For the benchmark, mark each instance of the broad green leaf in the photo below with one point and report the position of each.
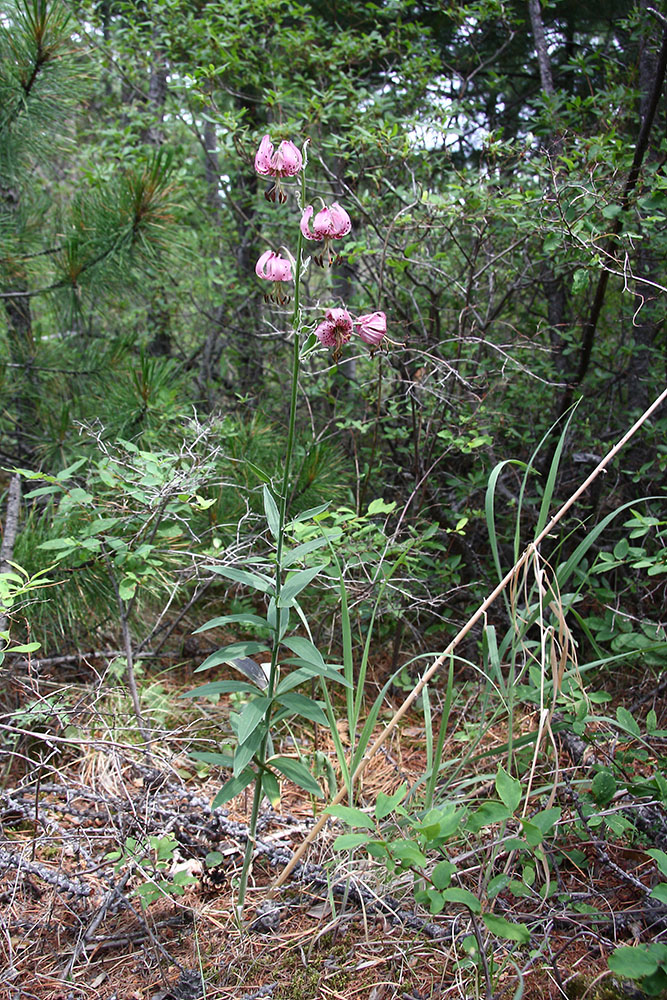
(626, 721)
(603, 787)
(380, 506)
(42, 491)
(634, 963)
(506, 929)
(439, 824)
(293, 679)
(233, 787)
(441, 875)
(295, 584)
(348, 841)
(101, 524)
(58, 543)
(297, 772)
(253, 580)
(497, 884)
(546, 819)
(127, 589)
(351, 816)
(386, 804)
(409, 854)
(509, 789)
(532, 833)
(431, 898)
(660, 857)
(272, 513)
(299, 704)
(26, 647)
(71, 469)
(455, 895)
(488, 813)
(242, 619)
(227, 654)
(659, 891)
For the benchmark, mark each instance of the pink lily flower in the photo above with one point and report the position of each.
(372, 328)
(286, 161)
(329, 224)
(335, 330)
(272, 267)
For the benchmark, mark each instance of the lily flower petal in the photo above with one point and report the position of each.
(263, 156)
(340, 221)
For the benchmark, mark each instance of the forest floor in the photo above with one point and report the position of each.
(72, 920)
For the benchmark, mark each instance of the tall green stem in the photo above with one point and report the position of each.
(277, 632)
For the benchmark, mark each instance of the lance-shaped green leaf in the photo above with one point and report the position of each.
(219, 687)
(293, 555)
(227, 654)
(250, 717)
(211, 757)
(299, 704)
(298, 773)
(309, 670)
(264, 476)
(272, 513)
(271, 788)
(305, 650)
(256, 581)
(245, 753)
(305, 516)
(241, 619)
(295, 584)
(233, 787)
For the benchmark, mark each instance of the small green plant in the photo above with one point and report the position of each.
(151, 860)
